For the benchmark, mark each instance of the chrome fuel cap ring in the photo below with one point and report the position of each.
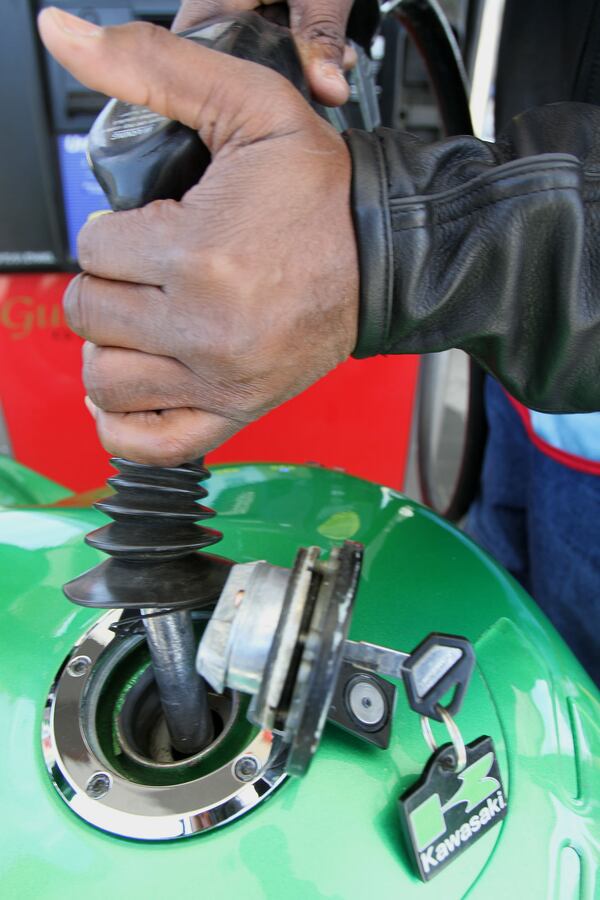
(102, 794)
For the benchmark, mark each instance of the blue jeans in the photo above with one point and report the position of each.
(541, 520)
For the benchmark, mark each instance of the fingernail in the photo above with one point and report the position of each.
(331, 70)
(91, 408)
(97, 213)
(350, 58)
(73, 24)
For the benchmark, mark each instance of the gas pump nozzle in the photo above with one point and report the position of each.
(137, 157)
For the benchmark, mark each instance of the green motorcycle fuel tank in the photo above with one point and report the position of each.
(334, 833)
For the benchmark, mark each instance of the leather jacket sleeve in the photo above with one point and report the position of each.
(491, 248)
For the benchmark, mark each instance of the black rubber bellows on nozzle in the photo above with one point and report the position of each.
(152, 542)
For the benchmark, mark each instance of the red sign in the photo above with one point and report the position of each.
(356, 418)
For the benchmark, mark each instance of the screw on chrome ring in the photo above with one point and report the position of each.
(455, 736)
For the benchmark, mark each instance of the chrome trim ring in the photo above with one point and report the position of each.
(102, 796)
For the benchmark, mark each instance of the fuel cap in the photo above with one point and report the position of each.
(279, 635)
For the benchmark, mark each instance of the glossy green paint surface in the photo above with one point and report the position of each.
(20, 486)
(333, 834)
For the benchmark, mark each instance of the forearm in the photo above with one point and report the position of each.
(494, 249)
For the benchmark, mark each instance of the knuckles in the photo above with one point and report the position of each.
(83, 305)
(87, 246)
(148, 37)
(323, 27)
(73, 304)
(108, 387)
(110, 245)
(99, 380)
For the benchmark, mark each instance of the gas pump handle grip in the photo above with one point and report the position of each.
(139, 157)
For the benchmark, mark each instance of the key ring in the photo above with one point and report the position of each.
(455, 737)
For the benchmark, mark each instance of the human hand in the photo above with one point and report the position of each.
(203, 314)
(319, 30)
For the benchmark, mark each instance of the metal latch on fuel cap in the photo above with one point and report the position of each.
(280, 635)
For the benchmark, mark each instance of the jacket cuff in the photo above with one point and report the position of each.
(370, 212)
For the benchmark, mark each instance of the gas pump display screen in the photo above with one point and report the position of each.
(82, 194)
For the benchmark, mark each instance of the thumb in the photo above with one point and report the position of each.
(139, 63)
(319, 29)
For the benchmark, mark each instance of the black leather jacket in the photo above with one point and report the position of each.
(493, 248)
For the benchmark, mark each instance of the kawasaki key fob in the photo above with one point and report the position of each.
(138, 156)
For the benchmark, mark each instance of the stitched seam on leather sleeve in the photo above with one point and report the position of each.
(482, 183)
(415, 205)
(465, 215)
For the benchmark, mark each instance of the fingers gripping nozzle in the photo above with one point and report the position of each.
(137, 157)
